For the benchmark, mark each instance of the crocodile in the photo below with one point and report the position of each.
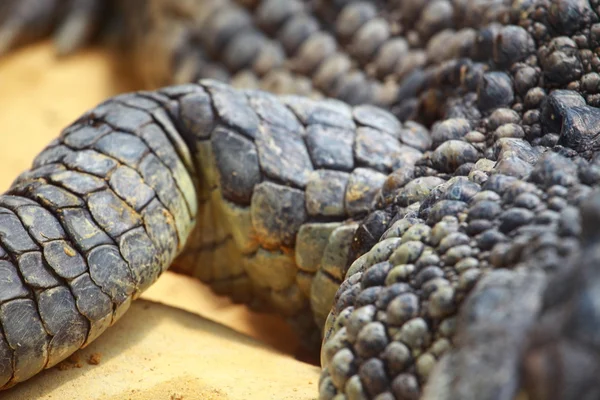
(411, 185)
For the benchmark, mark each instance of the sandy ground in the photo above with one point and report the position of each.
(180, 342)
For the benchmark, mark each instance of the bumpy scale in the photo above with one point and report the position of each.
(446, 247)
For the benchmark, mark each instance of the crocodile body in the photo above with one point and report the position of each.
(418, 190)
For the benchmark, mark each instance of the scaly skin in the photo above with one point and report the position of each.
(116, 196)
(473, 272)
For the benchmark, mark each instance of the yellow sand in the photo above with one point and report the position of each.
(192, 346)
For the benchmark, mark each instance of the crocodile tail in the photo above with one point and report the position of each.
(102, 213)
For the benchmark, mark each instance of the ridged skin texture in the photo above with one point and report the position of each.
(281, 183)
(435, 219)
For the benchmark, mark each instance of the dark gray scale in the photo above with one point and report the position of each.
(169, 93)
(158, 177)
(49, 196)
(553, 169)
(139, 252)
(6, 362)
(35, 271)
(329, 113)
(82, 136)
(185, 59)
(449, 129)
(555, 105)
(80, 226)
(376, 149)
(415, 135)
(512, 44)
(238, 164)
(160, 225)
(13, 286)
(436, 16)
(64, 260)
(51, 155)
(416, 190)
(450, 155)
(176, 149)
(233, 110)
(24, 23)
(112, 214)
(129, 185)
(168, 145)
(13, 236)
(124, 147)
(330, 147)
(440, 293)
(377, 118)
(273, 112)
(77, 182)
(93, 304)
(132, 100)
(41, 172)
(63, 322)
(494, 90)
(15, 202)
(230, 27)
(196, 117)
(277, 213)
(91, 162)
(126, 118)
(283, 156)
(579, 129)
(354, 88)
(117, 281)
(271, 56)
(362, 34)
(26, 336)
(325, 193)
